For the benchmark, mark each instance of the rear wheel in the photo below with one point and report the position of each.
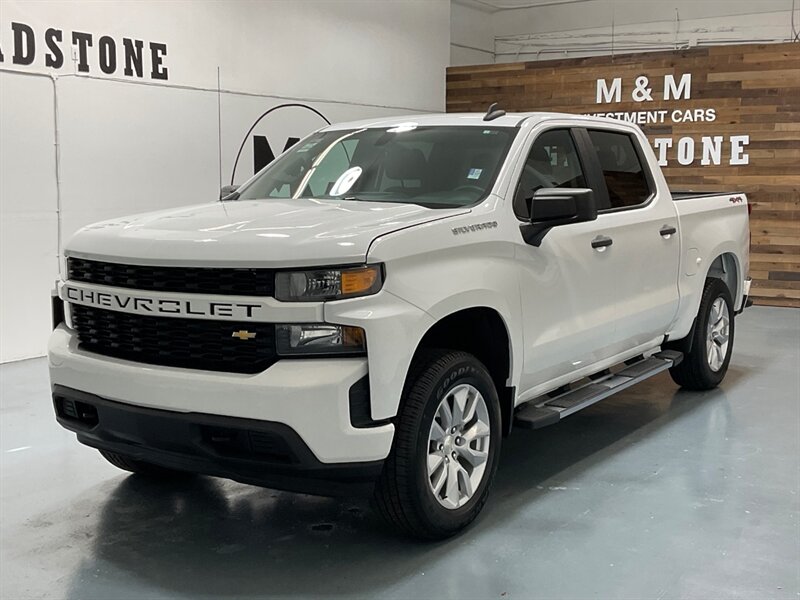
(704, 367)
(141, 467)
(446, 447)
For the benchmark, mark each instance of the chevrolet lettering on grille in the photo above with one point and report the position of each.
(165, 307)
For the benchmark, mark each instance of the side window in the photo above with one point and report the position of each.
(552, 163)
(622, 169)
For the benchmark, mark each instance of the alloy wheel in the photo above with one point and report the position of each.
(717, 334)
(458, 446)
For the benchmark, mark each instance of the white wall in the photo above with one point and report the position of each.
(575, 28)
(471, 35)
(129, 145)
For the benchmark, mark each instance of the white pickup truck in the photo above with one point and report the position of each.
(378, 307)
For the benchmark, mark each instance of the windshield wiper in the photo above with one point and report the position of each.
(421, 203)
(387, 200)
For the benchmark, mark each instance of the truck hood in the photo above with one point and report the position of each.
(303, 232)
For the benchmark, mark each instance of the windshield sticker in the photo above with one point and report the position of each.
(474, 174)
(345, 181)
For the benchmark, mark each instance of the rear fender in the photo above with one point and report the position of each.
(691, 288)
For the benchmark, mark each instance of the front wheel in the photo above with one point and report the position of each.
(446, 447)
(704, 367)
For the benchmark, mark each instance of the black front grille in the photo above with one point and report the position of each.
(174, 342)
(192, 280)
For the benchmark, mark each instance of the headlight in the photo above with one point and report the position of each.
(327, 284)
(316, 339)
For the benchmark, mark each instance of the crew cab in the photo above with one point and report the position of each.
(386, 301)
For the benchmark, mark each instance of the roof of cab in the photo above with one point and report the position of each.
(469, 119)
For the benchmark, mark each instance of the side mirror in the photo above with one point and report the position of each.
(557, 206)
(227, 190)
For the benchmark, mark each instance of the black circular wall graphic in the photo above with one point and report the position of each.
(262, 150)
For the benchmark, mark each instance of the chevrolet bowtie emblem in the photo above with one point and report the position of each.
(243, 335)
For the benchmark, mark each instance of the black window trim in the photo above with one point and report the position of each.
(637, 147)
(582, 160)
(594, 172)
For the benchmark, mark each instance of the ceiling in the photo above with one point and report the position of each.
(500, 5)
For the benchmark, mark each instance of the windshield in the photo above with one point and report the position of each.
(437, 167)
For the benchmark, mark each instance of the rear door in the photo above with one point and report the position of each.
(640, 223)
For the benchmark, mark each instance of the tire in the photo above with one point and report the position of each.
(698, 370)
(404, 495)
(141, 467)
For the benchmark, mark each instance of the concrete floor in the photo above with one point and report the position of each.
(654, 493)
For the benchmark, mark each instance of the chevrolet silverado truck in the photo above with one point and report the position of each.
(377, 308)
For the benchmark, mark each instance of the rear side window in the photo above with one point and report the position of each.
(624, 174)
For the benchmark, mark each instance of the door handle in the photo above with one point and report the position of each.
(667, 230)
(601, 242)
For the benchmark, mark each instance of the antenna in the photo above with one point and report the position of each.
(493, 112)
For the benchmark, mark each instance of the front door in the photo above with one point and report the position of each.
(567, 286)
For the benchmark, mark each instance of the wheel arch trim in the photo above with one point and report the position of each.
(506, 383)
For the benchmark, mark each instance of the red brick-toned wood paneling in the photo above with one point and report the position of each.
(755, 91)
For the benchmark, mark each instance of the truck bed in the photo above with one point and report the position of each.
(715, 228)
(691, 195)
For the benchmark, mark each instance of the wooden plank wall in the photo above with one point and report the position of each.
(755, 90)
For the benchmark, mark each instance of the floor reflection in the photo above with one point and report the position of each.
(214, 538)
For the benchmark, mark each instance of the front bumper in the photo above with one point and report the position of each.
(309, 396)
(255, 452)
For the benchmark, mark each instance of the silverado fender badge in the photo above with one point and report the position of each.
(242, 334)
(475, 227)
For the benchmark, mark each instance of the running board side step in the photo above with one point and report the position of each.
(551, 410)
